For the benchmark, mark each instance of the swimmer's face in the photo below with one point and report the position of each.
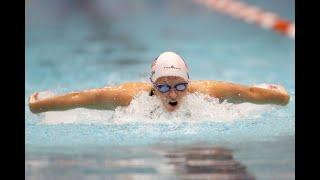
(171, 99)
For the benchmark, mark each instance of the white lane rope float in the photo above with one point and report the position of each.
(252, 15)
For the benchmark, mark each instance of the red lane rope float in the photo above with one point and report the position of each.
(252, 15)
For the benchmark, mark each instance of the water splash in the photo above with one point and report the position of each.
(147, 109)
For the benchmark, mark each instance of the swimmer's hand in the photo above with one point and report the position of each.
(40, 95)
(33, 98)
(36, 97)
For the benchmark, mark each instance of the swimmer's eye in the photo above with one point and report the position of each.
(163, 88)
(181, 87)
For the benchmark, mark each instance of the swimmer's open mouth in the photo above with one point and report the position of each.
(173, 103)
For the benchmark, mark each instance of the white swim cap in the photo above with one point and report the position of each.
(169, 64)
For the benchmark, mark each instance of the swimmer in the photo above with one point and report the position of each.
(169, 81)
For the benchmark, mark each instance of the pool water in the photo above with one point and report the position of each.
(78, 45)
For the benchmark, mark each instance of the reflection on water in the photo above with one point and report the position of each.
(207, 163)
(145, 163)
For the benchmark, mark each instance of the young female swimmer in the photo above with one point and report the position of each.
(169, 82)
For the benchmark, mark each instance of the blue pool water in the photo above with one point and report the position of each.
(76, 45)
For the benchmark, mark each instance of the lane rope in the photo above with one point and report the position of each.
(252, 15)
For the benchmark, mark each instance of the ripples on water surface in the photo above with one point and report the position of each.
(77, 45)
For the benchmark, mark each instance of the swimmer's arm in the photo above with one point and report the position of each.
(93, 99)
(107, 98)
(236, 93)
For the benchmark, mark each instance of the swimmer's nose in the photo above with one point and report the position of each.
(172, 94)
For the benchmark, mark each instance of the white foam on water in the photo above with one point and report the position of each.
(195, 108)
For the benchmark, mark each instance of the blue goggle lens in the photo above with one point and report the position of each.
(181, 87)
(163, 88)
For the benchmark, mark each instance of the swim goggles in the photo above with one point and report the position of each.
(166, 88)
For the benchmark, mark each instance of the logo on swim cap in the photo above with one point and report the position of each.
(172, 67)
